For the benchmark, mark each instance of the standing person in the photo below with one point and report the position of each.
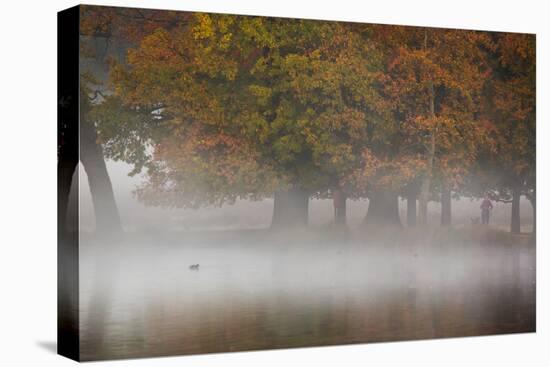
(486, 207)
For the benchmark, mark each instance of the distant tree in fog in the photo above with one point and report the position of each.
(508, 171)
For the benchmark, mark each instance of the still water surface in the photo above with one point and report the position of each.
(254, 290)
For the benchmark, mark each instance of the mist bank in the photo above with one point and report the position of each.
(258, 214)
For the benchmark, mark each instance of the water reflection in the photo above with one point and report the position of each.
(255, 290)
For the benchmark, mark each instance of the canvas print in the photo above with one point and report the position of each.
(232, 183)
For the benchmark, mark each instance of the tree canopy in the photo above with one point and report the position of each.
(219, 107)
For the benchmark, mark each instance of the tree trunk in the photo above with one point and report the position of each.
(515, 224)
(290, 209)
(446, 207)
(103, 198)
(533, 202)
(532, 197)
(66, 167)
(383, 210)
(339, 200)
(411, 208)
(426, 182)
(424, 196)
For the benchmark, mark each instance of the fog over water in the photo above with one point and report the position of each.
(257, 289)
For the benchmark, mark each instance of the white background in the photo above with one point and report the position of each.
(28, 183)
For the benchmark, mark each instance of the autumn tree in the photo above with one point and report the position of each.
(220, 107)
(293, 95)
(104, 33)
(78, 141)
(512, 101)
(433, 82)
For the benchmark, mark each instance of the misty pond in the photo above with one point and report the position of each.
(256, 288)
